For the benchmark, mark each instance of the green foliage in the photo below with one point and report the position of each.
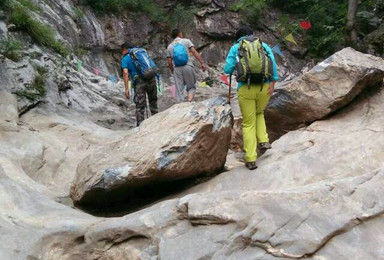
(149, 7)
(33, 96)
(78, 13)
(10, 49)
(251, 10)
(42, 70)
(80, 52)
(36, 91)
(182, 17)
(41, 33)
(328, 19)
(38, 84)
(29, 5)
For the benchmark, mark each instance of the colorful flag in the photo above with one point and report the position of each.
(203, 84)
(79, 65)
(112, 78)
(305, 25)
(132, 91)
(96, 71)
(159, 84)
(277, 50)
(290, 38)
(173, 91)
(224, 79)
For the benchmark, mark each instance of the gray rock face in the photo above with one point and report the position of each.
(9, 116)
(326, 88)
(184, 141)
(316, 195)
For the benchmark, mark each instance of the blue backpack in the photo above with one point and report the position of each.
(145, 66)
(180, 55)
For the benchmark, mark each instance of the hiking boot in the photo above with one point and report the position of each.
(251, 165)
(264, 147)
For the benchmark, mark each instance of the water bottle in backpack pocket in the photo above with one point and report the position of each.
(145, 66)
(180, 55)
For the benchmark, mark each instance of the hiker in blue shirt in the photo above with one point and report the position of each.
(140, 85)
(253, 98)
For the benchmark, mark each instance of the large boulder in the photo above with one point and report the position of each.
(184, 141)
(326, 88)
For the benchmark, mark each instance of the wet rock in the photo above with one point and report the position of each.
(326, 88)
(184, 141)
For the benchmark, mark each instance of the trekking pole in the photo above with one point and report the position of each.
(147, 105)
(230, 87)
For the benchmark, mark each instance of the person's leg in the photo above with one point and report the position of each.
(261, 102)
(189, 75)
(140, 101)
(247, 105)
(179, 83)
(152, 95)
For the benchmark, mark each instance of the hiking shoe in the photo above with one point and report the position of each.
(264, 147)
(251, 165)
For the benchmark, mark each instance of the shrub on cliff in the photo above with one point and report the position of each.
(20, 16)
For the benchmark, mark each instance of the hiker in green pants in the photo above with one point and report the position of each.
(256, 75)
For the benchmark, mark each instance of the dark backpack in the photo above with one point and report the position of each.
(145, 66)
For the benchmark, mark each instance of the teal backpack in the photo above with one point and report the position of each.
(180, 54)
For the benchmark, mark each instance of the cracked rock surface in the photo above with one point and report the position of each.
(317, 194)
(185, 141)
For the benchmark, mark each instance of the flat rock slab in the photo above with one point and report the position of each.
(326, 88)
(184, 141)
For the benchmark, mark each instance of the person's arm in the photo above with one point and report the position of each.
(170, 64)
(230, 62)
(275, 76)
(126, 83)
(198, 57)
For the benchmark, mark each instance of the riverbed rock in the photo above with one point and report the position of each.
(184, 141)
(326, 88)
(311, 198)
(316, 195)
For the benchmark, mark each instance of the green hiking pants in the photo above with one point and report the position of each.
(252, 103)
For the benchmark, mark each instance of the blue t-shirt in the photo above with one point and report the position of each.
(127, 63)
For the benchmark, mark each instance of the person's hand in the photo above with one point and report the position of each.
(203, 67)
(127, 94)
(271, 88)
